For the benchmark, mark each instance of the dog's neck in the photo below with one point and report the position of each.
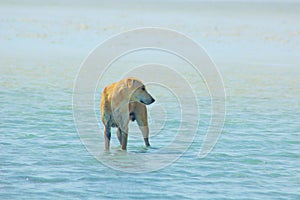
(121, 100)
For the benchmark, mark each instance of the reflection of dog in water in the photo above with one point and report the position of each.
(121, 102)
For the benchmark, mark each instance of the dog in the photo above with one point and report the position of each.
(121, 102)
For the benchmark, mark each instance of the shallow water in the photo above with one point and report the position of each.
(257, 155)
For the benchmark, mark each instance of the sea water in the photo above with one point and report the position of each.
(256, 49)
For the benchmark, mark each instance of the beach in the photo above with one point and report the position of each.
(255, 47)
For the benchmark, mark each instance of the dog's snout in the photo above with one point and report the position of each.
(148, 101)
(152, 100)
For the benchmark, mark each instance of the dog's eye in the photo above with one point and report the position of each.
(143, 88)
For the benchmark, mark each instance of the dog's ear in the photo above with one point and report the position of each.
(129, 82)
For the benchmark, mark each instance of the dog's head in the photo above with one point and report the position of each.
(138, 91)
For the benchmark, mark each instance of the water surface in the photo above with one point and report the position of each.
(256, 49)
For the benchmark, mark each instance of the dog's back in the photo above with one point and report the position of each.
(105, 108)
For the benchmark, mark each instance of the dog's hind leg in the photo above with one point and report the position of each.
(107, 136)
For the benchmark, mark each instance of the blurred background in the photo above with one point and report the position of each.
(255, 45)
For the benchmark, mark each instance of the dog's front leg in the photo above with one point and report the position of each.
(142, 122)
(124, 141)
(145, 132)
(124, 138)
(119, 135)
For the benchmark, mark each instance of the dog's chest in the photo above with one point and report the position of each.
(119, 118)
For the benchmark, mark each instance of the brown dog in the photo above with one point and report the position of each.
(121, 102)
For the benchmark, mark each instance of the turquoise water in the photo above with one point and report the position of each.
(256, 157)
